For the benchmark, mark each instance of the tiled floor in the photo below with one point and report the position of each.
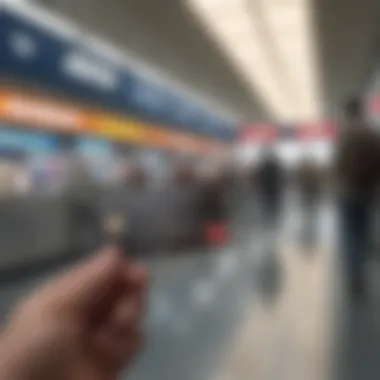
(313, 330)
(290, 339)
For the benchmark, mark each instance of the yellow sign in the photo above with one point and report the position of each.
(120, 129)
(31, 110)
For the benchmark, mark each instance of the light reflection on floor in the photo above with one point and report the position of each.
(291, 339)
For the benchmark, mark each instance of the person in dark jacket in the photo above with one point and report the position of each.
(185, 175)
(270, 186)
(214, 193)
(357, 170)
(214, 212)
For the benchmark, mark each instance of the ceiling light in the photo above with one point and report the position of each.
(270, 45)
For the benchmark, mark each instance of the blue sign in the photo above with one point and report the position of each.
(90, 147)
(27, 142)
(32, 53)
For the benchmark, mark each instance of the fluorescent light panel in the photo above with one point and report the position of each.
(289, 25)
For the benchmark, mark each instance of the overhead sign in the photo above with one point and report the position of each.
(316, 131)
(265, 134)
(32, 53)
(33, 111)
(26, 141)
(120, 129)
(39, 113)
(82, 68)
(259, 133)
(374, 107)
(93, 147)
(287, 132)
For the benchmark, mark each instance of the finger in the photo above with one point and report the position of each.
(137, 278)
(88, 284)
(116, 350)
(126, 316)
(110, 354)
(127, 297)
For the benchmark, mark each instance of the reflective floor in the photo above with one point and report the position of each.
(269, 306)
(290, 337)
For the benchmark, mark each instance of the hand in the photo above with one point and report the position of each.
(84, 325)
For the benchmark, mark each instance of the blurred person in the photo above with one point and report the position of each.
(214, 207)
(249, 176)
(228, 177)
(84, 324)
(269, 182)
(185, 175)
(136, 178)
(187, 196)
(310, 187)
(358, 172)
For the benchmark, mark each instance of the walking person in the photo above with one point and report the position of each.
(358, 173)
(270, 185)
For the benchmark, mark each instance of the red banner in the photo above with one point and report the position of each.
(374, 107)
(316, 131)
(260, 134)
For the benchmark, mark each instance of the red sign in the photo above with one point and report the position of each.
(316, 131)
(259, 133)
(374, 106)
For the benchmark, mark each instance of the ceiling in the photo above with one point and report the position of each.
(259, 60)
(348, 47)
(164, 34)
(271, 43)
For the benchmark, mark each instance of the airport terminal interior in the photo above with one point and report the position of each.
(231, 147)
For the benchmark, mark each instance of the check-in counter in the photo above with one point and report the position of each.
(144, 221)
(32, 229)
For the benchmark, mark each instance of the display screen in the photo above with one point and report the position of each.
(28, 161)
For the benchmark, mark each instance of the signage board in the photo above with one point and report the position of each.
(316, 131)
(34, 54)
(259, 134)
(31, 53)
(29, 110)
(26, 141)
